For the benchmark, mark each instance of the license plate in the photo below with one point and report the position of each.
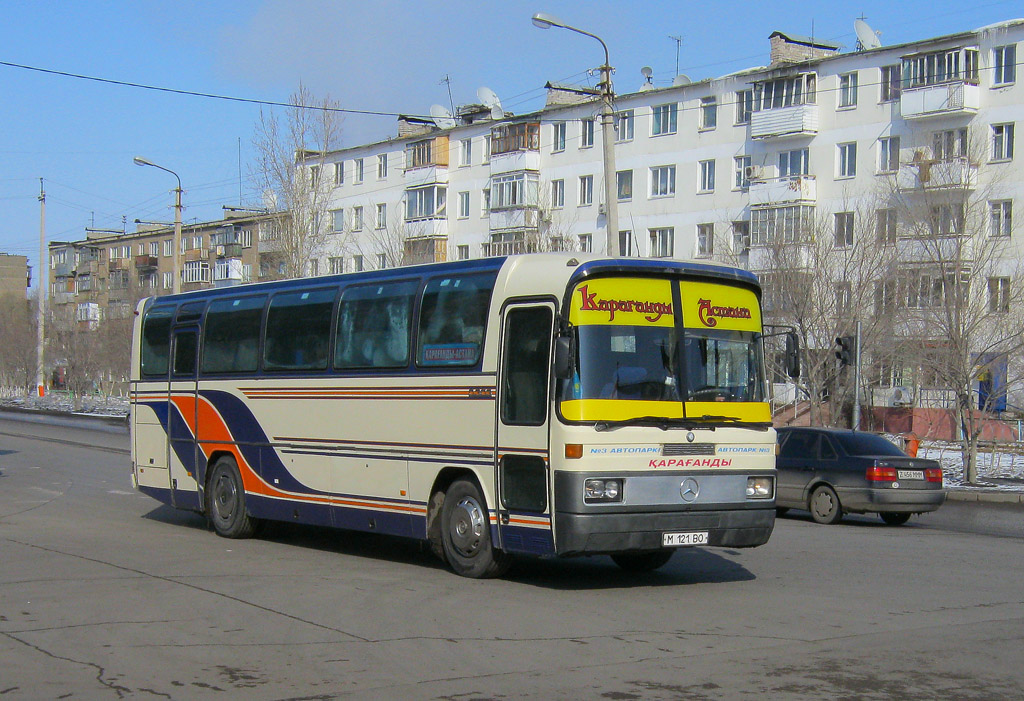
(675, 540)
(910, 474)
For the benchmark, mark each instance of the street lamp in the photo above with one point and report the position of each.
(176, 282)
(611, 200)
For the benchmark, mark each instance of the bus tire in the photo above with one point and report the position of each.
(466, 533)
(643, 562)
(225, 501)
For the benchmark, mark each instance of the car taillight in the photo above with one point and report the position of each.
(933, 474)
(881, 474)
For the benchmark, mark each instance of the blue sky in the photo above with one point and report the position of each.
(80, 136)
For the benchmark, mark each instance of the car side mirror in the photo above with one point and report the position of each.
(792, 355)
(563, 357)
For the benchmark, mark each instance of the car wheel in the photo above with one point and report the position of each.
(824, 505)
(225, 501)
(466, 533)
(895, 518)
(643, 562)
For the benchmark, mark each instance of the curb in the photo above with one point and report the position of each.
(109, 420)
(989, 497)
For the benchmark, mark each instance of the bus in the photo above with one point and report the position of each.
(531, 405)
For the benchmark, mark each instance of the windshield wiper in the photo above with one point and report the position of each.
(657, 421)
(709, 418)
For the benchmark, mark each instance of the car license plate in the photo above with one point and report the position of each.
(910, 474)
(674, 540)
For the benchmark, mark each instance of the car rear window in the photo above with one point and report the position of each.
(867, 444)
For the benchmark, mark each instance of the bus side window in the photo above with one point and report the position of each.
(156, 341)
(452, 320)
(231, 335)
(299, 330)
(374, 325)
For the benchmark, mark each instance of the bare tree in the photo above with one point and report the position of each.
(18, 350)
(290, 171)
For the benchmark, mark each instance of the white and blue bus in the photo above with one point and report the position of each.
(547, 404)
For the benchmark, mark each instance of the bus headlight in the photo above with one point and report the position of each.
(760, 487)
(602, 490)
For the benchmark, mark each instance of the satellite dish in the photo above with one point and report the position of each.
(488, 98)
(681, 79)
(647, 72)
(442, 117)
(867, 38)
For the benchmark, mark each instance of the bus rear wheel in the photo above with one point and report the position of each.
(643, 562)
(466, 533)
(225, 501)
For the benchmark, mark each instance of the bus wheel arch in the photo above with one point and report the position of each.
(225, 498)
(435, 506)
(460, 518)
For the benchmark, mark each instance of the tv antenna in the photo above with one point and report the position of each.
(679, 42)
(488, 98)
(448, 81)
(442, 117)
(867, 38)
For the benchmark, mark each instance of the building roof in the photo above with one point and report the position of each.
(806, 41)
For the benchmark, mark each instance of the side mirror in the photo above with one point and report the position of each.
(563, 357)
(792, 355)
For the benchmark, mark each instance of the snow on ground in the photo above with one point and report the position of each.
(1002, 465)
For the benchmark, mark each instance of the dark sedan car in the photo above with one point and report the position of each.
(831, 472)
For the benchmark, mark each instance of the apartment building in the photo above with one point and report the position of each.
(15, 275)
(104, 275)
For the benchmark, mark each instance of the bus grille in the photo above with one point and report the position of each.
(688, 449)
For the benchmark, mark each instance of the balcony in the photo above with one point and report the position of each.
(518, 219)
(63, 297)
(515, 161)
(229, 250)
(426, 175)
(426, 228)
(88, 267)
(194, 254)
(957, 98)
(796, 120)
(64, 270)
(227, 272)
(923, 174)
(145, 262)
(783, 190)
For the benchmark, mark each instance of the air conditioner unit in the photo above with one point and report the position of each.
(902, 396)
(760, 173)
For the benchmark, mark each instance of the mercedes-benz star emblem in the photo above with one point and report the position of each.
(689, 489)
(690, 437)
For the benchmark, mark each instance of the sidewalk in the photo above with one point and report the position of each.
(1003, 491)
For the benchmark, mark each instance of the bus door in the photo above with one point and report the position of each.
(522, 468)
(181, 415)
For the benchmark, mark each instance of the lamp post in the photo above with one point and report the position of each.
(175, 268)
(611, 201)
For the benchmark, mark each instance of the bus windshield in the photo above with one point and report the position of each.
(671, 366)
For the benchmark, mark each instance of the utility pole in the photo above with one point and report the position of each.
(856, 382)
(611, 194)
(43, 276)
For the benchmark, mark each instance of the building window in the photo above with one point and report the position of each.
(705, 240)
(466, 152)
(558, 142)
(886, 297)
(847, 160)
(485, 202)
(357, 263)
(586, 133)
(382, 166)
(246, 272)
(626, 243)
(557, 193)
(708, 113)
(744, 106)
(339, 173)
(357, 219)
(624, 185)
(999, 295)
(794, 163)
(586, 189)
(314, 267)
(382, 215)
(419, 154)
(624, 125)
(382, 261)
(707, 176)
(336, 265)
(740, 165)
(521, 136)
(1002, 142)
(844, 297)
(741, 237)
(848, 89)
(844, 229)
(890, 83)
(949, 144)
(662, 242)
(586, 243)
(889, 154)
(168, 248)
(464, 205)
(1001, 217)
(462, 251)
(337, 221)
(664, 119)
(168, 281)
(358, 176)
(663, 181)
(487, 148)
(154, 248)
(1004, 61)
(425, 203)
(785, 92)
(513, 190)
(196, 271)
(946, 219)
(885, 226)
(791, 224)
(938, 67)
(314, 176)
(245, 238)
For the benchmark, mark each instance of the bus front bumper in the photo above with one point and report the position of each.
(591, 534)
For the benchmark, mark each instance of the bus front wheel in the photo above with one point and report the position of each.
(466, 533)
(225, 501)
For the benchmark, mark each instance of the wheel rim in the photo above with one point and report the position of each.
(467, 527)
(225, 496)
(823, 504)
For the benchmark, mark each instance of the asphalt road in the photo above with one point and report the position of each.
(104, 593)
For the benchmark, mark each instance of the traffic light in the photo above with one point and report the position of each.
(847, 350)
